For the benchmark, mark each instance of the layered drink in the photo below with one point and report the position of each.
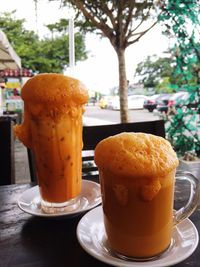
(52, 129)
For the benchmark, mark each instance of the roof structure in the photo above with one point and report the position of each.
(8, 57)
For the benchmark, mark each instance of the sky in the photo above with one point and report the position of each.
(100, 71)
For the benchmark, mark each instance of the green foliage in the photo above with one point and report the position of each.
(159, 73)
(164, 86)
(181, 19)
(182, 131)
(152, 71)
(46, 55)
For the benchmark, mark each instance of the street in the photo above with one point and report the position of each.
(94, 115)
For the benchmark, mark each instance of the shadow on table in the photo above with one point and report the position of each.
(53, 242)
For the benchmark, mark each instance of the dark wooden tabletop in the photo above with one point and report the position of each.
(26, 240)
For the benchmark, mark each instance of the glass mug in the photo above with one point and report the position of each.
(57, 147)
(52, 129)
(139, 227)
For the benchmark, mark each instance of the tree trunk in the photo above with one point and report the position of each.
(123, 86)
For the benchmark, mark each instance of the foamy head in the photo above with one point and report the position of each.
(136, 155)
(49, 97)
(53, 92)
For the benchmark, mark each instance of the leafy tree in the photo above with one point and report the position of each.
(46, 55)
(164, 86)
(123, 23)
(153, 70)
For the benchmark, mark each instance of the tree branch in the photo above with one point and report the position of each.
(92, 17)
(129, 18)
(130, 33)
(120, 24)
(141, 34)
(109, 13)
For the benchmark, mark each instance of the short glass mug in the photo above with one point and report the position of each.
(57, 147)
(139, 229)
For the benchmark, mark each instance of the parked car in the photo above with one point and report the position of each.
(187, 100)
(170, 101)
(113, 103)
(151, 102)
(103, 102)
(92, 101)
(136, 101)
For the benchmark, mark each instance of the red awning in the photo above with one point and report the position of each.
(16, 73)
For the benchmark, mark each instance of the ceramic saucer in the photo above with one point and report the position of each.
(91, 236)
(29, 201)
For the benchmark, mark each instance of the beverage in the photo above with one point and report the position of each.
(137, 176)
(57, 148)
(128, 216)
(52, 128)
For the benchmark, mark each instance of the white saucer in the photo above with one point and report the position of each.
(29, 201)
(91, 236)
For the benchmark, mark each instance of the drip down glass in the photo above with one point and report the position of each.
(52, 129)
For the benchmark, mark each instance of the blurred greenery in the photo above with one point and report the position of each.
(153, 70)
(160, 74)
(42, 55)
(180, 19)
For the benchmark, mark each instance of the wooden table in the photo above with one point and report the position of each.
(31, 241)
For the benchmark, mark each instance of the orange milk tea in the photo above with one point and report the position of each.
(137, 181)
(52, 128)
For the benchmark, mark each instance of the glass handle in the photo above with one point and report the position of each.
(194, 198)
